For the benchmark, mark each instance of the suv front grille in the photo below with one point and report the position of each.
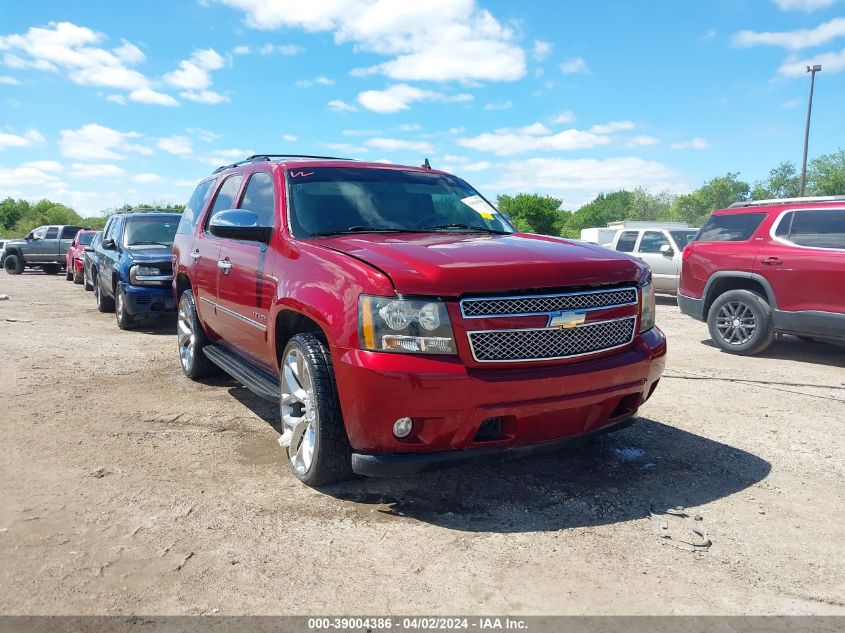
(551, 343)
(543, 304)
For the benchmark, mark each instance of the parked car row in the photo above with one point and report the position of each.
(401, 323)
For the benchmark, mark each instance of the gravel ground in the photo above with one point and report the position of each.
(127, 488)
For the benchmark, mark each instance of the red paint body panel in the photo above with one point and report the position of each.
(76, 253)
(322, 279)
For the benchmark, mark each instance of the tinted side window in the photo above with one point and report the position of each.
(785, 225)
(652, 241)
(730, 228)
(193, 210)
(259, 198)
(52, 233)
(626, 242)
(822, 229)
(69, 232)
(226, 195)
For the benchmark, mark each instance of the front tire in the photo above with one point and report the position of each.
(191, 339)
(125, 321)
(13, 264)
(740, 322)
(86, 280)
(77, 278)
(317, 446)
(69, 273)
(104, 304)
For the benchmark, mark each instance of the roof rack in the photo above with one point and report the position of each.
(260, 158)
(762, 203)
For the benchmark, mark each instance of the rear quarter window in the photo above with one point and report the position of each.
(193, 210)
(736, 227)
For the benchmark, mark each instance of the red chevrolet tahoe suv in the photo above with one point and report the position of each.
(762, 268)
(400, 321)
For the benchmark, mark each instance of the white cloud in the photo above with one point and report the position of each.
(803, 5)
(461, 163)
(148, 95)
(438, 40)
(642, 140)
(118, 99)
(219, 157)
(536, 137)
(96, 142)
(696, 143)
(91, 170)
(395, 144)
(574, 66)
(146, 178)
(193, 76)
(612, 126)
(319, 81)
(176, 145)
(339, 105)
(28, 174)
(541, 50)
(290, 138)
(6, 80)
(399, 97)
(564, 117)
(241, 50)
(792, 104)
(410, 127)
(284, 49)
(205, 135)
(346, 148)
(499, 105)
(832, 62)
(585, 177)
(28, 138)
(44, 165)
(794, 40)
(73, 50)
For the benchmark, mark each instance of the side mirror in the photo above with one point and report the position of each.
(666, 250)
(239, 224)
(88, 249)
(109, 245)
(30, 236)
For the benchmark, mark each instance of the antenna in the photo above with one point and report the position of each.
(426, 164)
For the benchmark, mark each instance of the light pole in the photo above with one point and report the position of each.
(812, 70)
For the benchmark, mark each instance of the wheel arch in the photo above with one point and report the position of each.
(291, 320)
(723, 281)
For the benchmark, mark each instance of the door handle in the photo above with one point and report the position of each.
(195, 255)
(771, 261)
(225, 265)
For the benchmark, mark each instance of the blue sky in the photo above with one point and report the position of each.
(106, 103)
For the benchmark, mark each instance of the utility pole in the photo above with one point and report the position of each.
(812, 70)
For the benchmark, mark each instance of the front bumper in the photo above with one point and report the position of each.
(530, 407)
(691, 306)
(148, 300)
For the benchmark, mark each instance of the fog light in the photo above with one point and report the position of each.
(402, 427)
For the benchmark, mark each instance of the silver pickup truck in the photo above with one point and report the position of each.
(44, 247)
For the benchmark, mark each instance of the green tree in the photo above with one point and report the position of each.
(826, 175)
(606, 207)
(717, 193)
(783, 182)
(533, 213)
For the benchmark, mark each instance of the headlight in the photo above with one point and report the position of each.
(150, 275)
(647, 309)
(402, 325)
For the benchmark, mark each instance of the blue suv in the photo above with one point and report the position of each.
(132, 270)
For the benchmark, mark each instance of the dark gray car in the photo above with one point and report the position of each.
(44, 247)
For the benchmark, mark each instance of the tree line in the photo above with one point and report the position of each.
(535, 213)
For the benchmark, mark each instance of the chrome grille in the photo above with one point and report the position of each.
(543, 304)
(550, 343)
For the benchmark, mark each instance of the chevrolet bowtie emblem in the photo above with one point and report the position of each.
(566, 320)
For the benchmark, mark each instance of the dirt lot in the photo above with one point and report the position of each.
(126, 488)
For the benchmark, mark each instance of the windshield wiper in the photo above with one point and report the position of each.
(364, 229)
(469, 227)
(149, 243)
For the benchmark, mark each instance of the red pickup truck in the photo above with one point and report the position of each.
(400, 321)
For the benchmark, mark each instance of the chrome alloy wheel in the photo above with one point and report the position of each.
(736, 323)
(119, 303)
(298, 411)
(185, 335)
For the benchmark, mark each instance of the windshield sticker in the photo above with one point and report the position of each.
(480, 206)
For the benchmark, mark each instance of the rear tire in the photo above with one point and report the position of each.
(69, 273)
(104, 304)
(191, 340)
(13, 264)
(77, 278)
(740, 322)
(86, 281)
(51, 269)
(318, 448)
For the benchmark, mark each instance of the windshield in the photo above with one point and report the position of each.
(682, 238)
(85, 238)
(335, 200)
(150, 231)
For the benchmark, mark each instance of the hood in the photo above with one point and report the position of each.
(142, 254)
(455, 264)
